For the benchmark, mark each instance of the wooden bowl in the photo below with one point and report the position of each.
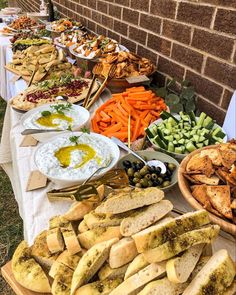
(186, 191)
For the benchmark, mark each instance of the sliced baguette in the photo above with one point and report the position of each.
(69, 260)
(27, 271)
(182, 243)
(90, 263)
(62, 280)
(214, 277)
(106, 272)
(99, 287)
(140, 279)
(137, 198)
(98, 235)
(71, 240)
(58, 221)
(180, 268)
(158, 234)
(135, 266)
(163, 287)
(231, 290)
(122, 252)
(55, 241)
(94, 220)
(145, 218)
(83, 226)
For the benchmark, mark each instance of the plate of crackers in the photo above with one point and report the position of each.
(207, 179)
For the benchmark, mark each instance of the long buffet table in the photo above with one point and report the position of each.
(34, 207)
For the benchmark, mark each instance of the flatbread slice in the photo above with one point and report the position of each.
(201, 165)
(219, 197)
(213, 180)
(226, 176)
(213, 154)
(228, 156)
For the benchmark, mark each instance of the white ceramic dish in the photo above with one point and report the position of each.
(28, 119)
(45, 159)
(179, 157)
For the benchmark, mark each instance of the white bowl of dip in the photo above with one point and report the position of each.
(67, 163)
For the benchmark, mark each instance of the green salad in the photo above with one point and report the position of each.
(185, 134)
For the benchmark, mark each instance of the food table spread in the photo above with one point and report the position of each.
(36, 209)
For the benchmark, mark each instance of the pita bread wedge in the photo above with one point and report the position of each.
(226, 176)
(201, 165)
(201, 178)
(199, 192)
(233, 171)
(191, 179)
(213, 154)
(228, 156)
(220, 199)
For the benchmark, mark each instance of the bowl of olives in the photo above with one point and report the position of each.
(141, 175)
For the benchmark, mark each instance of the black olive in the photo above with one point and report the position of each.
(166, 164)
(140, 165)
(166, 178)
(156, 183)
(158, 170)
(127, 164)
(168, 173)
(152, 169)
(134, 166)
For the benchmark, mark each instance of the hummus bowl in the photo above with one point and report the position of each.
(72, 157)
(53, 117)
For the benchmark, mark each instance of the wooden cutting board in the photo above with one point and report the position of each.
(17, 288)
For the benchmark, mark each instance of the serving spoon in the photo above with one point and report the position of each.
(155, 163)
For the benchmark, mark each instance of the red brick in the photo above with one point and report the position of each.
(87, 12)
(225, 3)
(101, 30)
(221, 72)
(102, 6)
(213, 43)
(225, 21)
(91, 25)
(159, 44)
(205, 87)
(211, 110)
(96, 16)
(170, 68)
(120, 27)
(137, 35)
(150, 22)
(128, 44)
(115, 11)
(107, 21)
(165, 8)
(84, 2)
(121, 2)
(91, 4)
(130, 15)
(195, 14)
(226, 99)
(176, 31)
(113, 35)
(140, 4)
(144, 52)
(188, 57)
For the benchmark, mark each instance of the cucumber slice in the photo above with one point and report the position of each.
(196, 137)
(199, 145)
(201, 119)
(206, 142)
(178, 150)
(192, 118)
(218, 132)
(150, 133)
(159, 142)
(171, 147)
(165, 115)
(207, 122)
(190, 147)
(181, 141)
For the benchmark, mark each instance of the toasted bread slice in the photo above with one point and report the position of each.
(95, 220)
(71, 240)
(136, 265)
(219, 197)
(90, 263)
(214, 277)
(158, 234)
(213, 180)
(182, 243)
(163, 287)
(228, 155)
(213, 154)
(200, 165)
(62, 280)
(146, 217)
(106, 272)
(137, 198)
(55, 241)
(83, 227)
(58, 221)
(179, 269)
(27, 271)
(99, 287)
(140, 279)
(122, 252)
(98, 235)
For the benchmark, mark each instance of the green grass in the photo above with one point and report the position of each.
(11, 227)
(3, 3)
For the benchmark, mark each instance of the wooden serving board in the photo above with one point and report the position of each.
(186, 192)
(17, 288)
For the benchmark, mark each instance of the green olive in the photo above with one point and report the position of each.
(144, 170)
(154, 176)
(144, 182)
(137, 175)
(136, 180)
(148, 176)
(130, 172)
(166, 183)
(160, 179)
(138, 185)
(171, 166)
(150, 183)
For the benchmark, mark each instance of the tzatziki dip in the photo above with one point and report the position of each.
(57, 116)
(73, 157)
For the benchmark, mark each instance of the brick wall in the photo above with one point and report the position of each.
(194, 40)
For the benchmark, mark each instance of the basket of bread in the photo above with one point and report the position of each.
(125, 241)
(207, 179)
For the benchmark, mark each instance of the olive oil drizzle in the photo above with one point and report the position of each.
(47, 121)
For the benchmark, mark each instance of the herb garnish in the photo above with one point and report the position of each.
(74, 138)
(61, 108)
(85, 130)
(45, 113)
